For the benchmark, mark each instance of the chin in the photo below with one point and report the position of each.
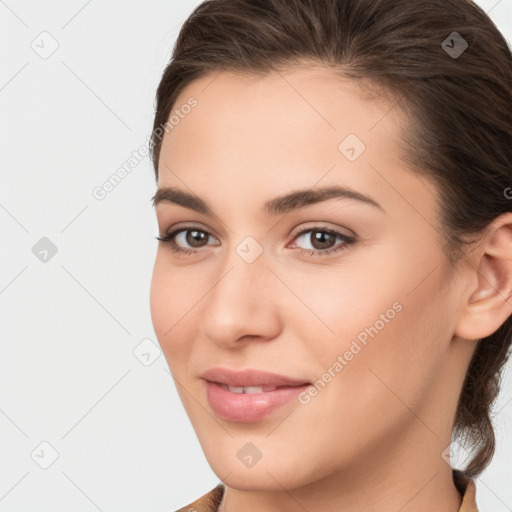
(269, 473)
(258, 480)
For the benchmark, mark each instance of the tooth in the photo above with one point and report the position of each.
(253, 389)
(248, 389)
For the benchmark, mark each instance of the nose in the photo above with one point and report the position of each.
(243, 303)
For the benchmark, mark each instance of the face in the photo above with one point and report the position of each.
(348, 292)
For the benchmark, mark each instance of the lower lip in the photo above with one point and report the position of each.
(248, 407)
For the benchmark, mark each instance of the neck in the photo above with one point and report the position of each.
(421, 481)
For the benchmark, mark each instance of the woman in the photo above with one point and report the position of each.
(335, 260)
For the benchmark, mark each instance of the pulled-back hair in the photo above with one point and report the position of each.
(458, 107)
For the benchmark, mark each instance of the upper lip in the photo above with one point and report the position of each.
(249, 377)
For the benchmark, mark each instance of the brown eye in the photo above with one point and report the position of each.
(185, 240)
(195, 238)
(322, 241)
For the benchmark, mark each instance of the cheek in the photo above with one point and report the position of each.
(382, 382)
(390, 315)
(169, 305)
(158, 300)
(344, 302)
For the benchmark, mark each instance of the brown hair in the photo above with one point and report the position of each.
(459, 109)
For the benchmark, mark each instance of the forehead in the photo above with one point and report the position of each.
(286, 97)
(282, 131)
(302, 111)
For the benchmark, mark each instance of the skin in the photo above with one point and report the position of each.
(372, 438)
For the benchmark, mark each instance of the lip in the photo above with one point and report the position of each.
(249, 377)
(249, 407)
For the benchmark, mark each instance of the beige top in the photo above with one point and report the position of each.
(465, 485)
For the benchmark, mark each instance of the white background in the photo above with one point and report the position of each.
(68, 374)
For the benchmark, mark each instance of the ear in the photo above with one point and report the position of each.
(488, 304)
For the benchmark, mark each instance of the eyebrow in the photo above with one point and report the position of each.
(277, 206)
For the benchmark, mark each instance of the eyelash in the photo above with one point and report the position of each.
(167, 239)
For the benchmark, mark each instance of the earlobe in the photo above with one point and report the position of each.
(489, 304)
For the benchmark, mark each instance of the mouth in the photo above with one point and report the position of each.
(249, 404)
(256, 389)
(247, 379)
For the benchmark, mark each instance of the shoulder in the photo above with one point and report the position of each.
(467, 489)
(206, 503)
(210, 501)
